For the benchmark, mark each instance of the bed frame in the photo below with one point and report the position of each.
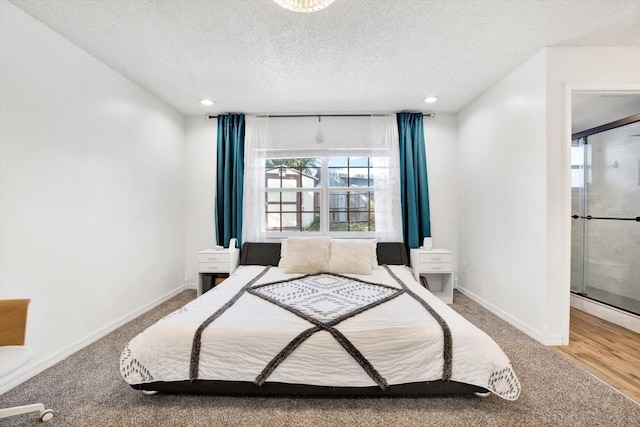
(390, 253)
(269, 254)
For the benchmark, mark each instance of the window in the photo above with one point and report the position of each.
(325, 195)
(292, 199)
(580, 163)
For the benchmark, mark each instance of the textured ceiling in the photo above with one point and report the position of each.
(354, 56)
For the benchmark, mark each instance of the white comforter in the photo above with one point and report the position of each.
(399, 338)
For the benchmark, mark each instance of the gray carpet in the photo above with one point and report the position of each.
(86, 390)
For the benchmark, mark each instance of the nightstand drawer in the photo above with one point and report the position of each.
(213, 267)
(435, 267)
(213, 257)
(435, 258)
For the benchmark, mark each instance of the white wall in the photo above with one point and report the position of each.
(502, 202)
(514, 184)
(440, 136)
(91, 191)
(605, 69)
(200, 179)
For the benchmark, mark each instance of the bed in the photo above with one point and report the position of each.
(272, 330)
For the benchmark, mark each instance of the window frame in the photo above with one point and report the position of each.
(324, 191)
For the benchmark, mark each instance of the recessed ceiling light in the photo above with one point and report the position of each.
(430, 99)
(206, 102)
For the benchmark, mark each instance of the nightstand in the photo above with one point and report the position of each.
(216, 263)
(436, 265)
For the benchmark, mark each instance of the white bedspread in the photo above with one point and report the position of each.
(402, 341)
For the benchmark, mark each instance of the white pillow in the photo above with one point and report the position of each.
(308, 255)
(283, 251)
(350, 256)
(372, 243)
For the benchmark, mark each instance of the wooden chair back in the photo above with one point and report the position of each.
(13, 321)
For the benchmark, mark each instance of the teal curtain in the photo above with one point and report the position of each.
(230, 178)
(414, 188)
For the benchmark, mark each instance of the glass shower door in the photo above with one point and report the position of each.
(578, 161)
(606, 217)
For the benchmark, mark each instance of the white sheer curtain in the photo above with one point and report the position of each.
(386, 190)
(253, 204)
(382, 147)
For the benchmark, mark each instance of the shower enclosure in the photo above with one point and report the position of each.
(605, 237)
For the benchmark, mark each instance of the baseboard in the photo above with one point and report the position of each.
(606, 312)
(193, 286)
(13, 380)
(545, 339)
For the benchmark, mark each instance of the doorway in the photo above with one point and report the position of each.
(605, 254)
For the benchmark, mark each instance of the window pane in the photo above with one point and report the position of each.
(311, 221)
(351, 211)
(359, 200)
(358, 161)
(273, 207)
(290, 182)
(273, 221)
(271, 163)
(289, 220)
(307, 181)
(312, 177)
(289, 196)
(310, 201)
(299, 163)
(338, 161)
(294, 173)
(289, 207)
(273, 197)
(338, 177)
(273, 182)
(359, 177)
(357, 172)
(293, 211)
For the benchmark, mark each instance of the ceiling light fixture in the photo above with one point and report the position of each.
(304, 6)
(430, 99)
(206, 102)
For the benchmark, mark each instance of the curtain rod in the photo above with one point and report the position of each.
(213, 116)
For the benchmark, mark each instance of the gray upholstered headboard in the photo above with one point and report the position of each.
(259, 253)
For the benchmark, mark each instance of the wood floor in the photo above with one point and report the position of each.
(608, 351)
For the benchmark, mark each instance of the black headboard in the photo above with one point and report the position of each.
(259, 253)
(392, 253)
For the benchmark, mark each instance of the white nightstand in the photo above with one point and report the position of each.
(437, 266)
(212, 261)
